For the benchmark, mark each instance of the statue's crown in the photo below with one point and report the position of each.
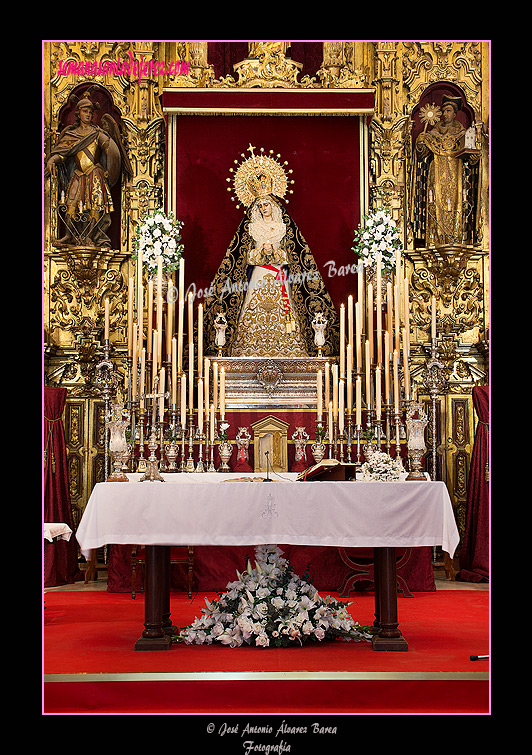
(259, 176)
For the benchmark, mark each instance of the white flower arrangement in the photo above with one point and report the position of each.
(381, 467)
(270, 606)
(377, 235)
(160, 236)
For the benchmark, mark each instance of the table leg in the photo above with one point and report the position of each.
(389, 636)
(168, 627)
(154, 637)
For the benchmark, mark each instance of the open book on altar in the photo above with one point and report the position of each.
(329, 469)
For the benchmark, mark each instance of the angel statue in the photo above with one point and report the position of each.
(88, 161)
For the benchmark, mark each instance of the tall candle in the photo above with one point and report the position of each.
(106, 321)
(330, 421)
(341, 405)
(149, 343)
(200, 405)
(406, 366)
(360, 283)
(215, 385)
(206, 384)
(170, 308)
(181, 279)
(397, 313)
(155, 354)
(350, 320)
(433, 324)
(190, 317)
(368, 377)
(370, 319)
(222, 394)
(191, 375)
(134, 365)
(387, 366)
(319, 390)
(378, 391)
(359, 401)
(327, 383)
(379, 329)
(174, 372)
(396, 381)
(200, 340)
(140, 304)
(162, 389)
(130, 300)
(335, 390)
(349, 386)
(180, 317)
(142, 387)
(389, 308)
(183, 400)
(211, 424)
(159, 320)
(358, 330)
(407, 314)
(342, 340)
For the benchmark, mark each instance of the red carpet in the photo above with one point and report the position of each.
(93, 633)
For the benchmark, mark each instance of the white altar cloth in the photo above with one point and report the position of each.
(58, 530)
(206, 509)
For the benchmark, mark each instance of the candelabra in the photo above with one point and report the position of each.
(106, 380)
(152, 473)
(434, 380)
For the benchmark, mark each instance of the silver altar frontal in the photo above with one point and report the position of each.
(268, 382)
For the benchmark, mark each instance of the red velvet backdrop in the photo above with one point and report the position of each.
(323, 153)
(475, 553)
(60, 557)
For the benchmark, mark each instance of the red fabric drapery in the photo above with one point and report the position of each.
(60, 557)
(474, 554)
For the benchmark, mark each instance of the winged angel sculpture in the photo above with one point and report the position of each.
(87, 160)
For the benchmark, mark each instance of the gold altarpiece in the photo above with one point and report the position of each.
(403, 77)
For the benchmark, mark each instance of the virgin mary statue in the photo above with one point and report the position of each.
(268, 286)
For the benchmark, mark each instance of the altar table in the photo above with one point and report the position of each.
(217, 509)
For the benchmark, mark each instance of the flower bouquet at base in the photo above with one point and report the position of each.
(159, 236)
(270, 606)
(377, 235)
(381, 467)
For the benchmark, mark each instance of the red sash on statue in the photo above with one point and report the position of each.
(286, 301)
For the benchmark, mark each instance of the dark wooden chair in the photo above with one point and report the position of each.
(179, 554)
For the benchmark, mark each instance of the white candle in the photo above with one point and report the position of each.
(341, 406)
(350, 320)
(335, 390)
(142, 387)
(215, 385)
(359, 401)
(200, 340)
(407, 314)
(180, 317)
(191, 375)
(368, 377)
(319, 411)
(159, 320)
(433, 324)
(387, 366)
(397, 312)
(378, 391)
(358, 331)
(327, 384)
(200, 405)
(330, 421)
(170, 307)
(149, 344)
(190, 317)
(161, 390)
(155, 354)
(211, 424)
(206, 384)
(174, 372)
(222, 394)
(183, 400)
(134, 365)
(370, 319)
(349, 378)
(379, 329)
(396, 381)
(342, 340)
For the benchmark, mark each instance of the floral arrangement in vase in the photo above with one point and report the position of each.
(270, 606)
(378, 234)
(159, 236)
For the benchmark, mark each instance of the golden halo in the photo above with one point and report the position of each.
(258, 176)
